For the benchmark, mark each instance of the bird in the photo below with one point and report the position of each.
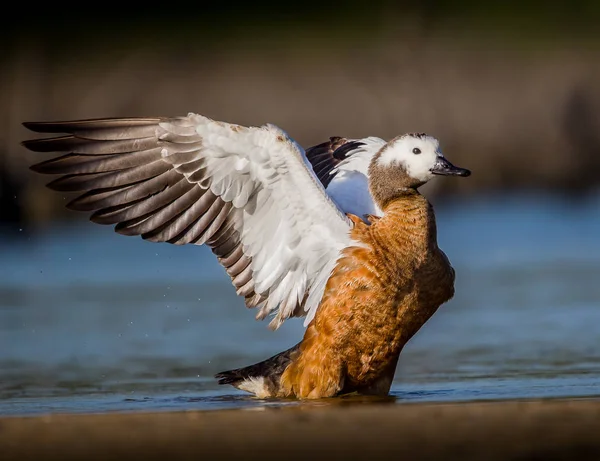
(338, 233)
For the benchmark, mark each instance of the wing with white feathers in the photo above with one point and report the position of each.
(247, 192)
(342, 165)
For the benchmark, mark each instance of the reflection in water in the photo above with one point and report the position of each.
(94, 321)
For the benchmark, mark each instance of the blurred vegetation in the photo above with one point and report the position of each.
(512, 88)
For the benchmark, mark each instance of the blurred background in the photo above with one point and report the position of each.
(90, 320)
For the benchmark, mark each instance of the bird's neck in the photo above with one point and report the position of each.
(388, 184)
(409, 223)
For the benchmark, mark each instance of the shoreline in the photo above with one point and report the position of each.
(341, 429)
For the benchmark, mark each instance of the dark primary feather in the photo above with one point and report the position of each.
(99, 125)
(116, 167)
(326, 156)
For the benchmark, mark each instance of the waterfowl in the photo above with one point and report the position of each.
(338, 234)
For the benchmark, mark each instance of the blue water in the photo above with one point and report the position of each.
(91, 321)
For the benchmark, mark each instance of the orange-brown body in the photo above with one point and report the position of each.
(380, 294)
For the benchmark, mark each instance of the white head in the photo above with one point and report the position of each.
(419, 155)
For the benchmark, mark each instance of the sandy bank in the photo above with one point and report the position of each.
(546, 430)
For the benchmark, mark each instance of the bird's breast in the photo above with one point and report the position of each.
(380, 294)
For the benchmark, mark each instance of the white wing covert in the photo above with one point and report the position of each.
(249, 193)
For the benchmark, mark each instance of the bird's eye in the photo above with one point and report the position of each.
(416, 151)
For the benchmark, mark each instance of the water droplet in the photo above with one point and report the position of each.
(69, 259)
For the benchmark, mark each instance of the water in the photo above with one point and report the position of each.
(91, 321)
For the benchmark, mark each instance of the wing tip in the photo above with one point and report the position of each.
(44, 127)
(38, 168)
(37, 127)
(66, 126)
(63, 184)
(32, 145)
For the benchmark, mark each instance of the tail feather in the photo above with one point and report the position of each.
(231, 376)
(270, 369)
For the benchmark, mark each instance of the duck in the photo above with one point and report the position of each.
(338, 233)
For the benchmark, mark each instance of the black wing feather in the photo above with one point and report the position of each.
(326, 156)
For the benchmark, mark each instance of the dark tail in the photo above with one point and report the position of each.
(270, 369)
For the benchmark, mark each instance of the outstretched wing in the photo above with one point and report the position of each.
(247, 192)
(342, 165)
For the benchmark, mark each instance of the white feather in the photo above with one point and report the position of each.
(255, 386)
(349, 188)
(288, 224)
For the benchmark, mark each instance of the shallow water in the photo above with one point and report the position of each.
(91, 321)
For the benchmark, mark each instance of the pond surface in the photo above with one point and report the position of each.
(91, 321)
